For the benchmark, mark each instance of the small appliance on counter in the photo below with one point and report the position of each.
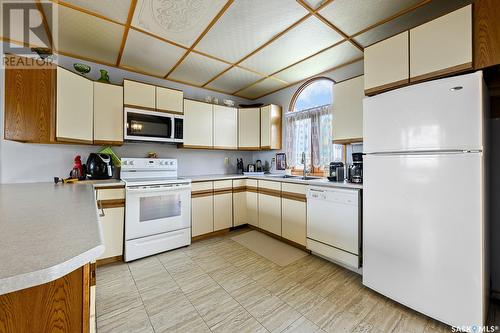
(258, 166)
(356, 169)
(99, 166)
(240, 166)
(336, 173)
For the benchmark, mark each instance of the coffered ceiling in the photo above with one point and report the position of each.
(247, 48)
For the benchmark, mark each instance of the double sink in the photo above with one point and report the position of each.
(295, 177)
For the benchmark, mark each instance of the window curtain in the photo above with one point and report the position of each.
(309, 130)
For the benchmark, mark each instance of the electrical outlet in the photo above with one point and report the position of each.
(226, 160)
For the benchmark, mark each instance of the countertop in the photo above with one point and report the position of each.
(313, 182)
(46, 232)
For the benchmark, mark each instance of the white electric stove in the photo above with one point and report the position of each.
(157, 207)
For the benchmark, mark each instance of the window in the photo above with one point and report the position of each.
(309, 127)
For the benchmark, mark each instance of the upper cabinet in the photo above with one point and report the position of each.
(108, 114)
(225, 123)
(198, 124)
(434, 49)
(270, 127)
(442, 46)
(347, 121)
(75, 107)
(169, 100)
(486, 33)
(249, 129)
(387, 64)
(137, 94)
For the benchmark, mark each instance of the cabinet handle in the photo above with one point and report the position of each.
(99, 205)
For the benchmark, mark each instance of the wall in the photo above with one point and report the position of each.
(22, 162)
(284, 97)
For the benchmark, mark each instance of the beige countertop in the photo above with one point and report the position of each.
(46, 232)
(313, 182)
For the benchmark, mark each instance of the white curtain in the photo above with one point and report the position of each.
(309, 130)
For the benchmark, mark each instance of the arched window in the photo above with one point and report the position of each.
(309, 126)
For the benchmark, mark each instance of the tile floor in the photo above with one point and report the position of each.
(217, 285)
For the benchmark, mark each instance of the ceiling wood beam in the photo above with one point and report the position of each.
(278, 35)
(131, 11)
(45, 25)
(310, 77)
(203, 33)
(328, 23)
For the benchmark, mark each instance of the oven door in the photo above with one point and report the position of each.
(156, 209)
(145, 125)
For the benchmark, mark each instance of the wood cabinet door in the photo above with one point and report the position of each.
(270, 213)
(270, 127)
(108, 114)
(202, 215)
(239, 208)
(486, 33)
(348, 109)
(112, 224)
(75, 108)
(137, 94)
(198, 124)
(169, 100)
(441, 46)
(386, 64)
(249, 129)
(223, 210)
(225, 127)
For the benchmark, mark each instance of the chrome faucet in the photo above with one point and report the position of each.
(303, 161)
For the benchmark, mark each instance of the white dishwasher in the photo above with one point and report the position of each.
(334, 224)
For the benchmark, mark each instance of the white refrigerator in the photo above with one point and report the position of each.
(424, 223)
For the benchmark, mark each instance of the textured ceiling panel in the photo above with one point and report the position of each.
(197, 69)
(233, 80)
(263, 87)
(176, 20)
(116, 10)
(333, 57)
(87, 36)
(149, 54)
(314, 4)
(352, 16)
(246, 25)
(421, 15)
(308, 38)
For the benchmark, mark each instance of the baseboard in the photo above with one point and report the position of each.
(106, 261)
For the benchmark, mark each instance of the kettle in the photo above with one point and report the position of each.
(99, 166)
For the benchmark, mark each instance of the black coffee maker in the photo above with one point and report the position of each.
(356, 169)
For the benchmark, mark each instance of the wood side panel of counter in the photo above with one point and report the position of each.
(57, 306)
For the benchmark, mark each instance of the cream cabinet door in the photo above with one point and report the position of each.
(293, 214)
(223, 210)
(108, 113)
(442, 46)
(75, 107)
(270, 213)
(202, 215)
(112, 231)
(225, 127)
(347, 117)
(139, 94)
(240, 208)
(249, 129)
(270, 127)
(169, 100)
(386, 64)
(198, 124)
(252, 202)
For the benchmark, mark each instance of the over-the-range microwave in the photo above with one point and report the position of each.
(154, 126)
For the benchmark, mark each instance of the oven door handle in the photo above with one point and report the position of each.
(158, 188)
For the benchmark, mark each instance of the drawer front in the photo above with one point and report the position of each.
(202, 186)
(223, 184)
(110, 193)
(266, 184)
(252, 182)
(239, 182)
(294, 188)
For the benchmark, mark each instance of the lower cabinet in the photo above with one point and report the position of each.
(112, 223)
(202, 215)
(240, 210)
(223, 204)
(294, 212)
(252, 203)
(269, 204)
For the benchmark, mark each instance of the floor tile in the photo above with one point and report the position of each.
(240, 321)
(302, 325)
(300, 298)
(133, 320)
(250, 294)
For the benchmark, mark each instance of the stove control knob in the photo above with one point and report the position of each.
(131, 163)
